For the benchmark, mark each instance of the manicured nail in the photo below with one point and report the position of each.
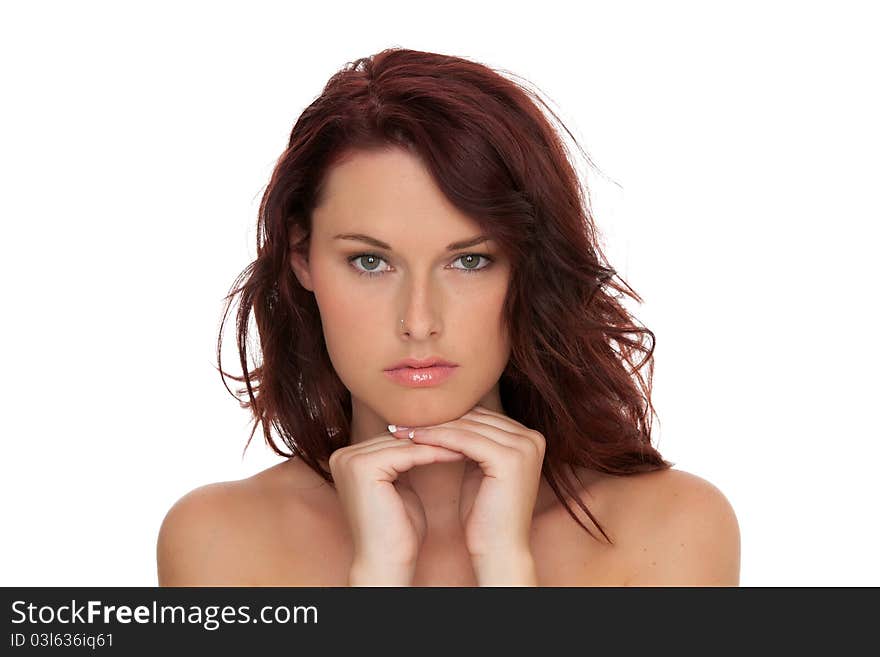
(393, 428)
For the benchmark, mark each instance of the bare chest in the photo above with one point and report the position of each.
(565, 555)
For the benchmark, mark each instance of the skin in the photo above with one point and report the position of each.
(670, 528)
(447, 312)
(451, 303)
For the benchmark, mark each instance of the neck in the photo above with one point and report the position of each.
(438, 486)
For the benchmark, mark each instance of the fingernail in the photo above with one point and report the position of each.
(393, 428)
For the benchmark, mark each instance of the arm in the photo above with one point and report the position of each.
(691, 536)
(366, 574)
(512, 568)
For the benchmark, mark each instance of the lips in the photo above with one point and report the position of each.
(420, 377)
(421, 363)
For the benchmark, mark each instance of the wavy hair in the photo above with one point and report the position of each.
(581, 367)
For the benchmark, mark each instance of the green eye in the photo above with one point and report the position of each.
(473, 258)
(366, 258)
(374, 259)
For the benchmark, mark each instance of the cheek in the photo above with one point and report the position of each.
(335, 294)
(349, 320)
(483, 322)
(501, 335)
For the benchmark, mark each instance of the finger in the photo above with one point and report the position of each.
(381, 438)
(496, 419)
(389, 444)
(473, 445)
(491, 431)
(348, 451)
(482, 410)
(492, 428)
(398, 460)
(396, 456)
(510, 427)
(388, 441)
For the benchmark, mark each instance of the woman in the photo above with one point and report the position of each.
(445, 355)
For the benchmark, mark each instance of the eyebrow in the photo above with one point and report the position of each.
(359, 237)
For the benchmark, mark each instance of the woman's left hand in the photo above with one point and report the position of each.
(498, 494)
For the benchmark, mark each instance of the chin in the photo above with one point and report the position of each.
(420, 416)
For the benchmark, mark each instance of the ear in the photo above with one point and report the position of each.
(298, 255)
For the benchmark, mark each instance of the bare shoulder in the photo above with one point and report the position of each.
(681, 531)
(211, 535)
(195, 533)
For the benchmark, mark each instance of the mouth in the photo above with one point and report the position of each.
(420, 364)
(421, 376)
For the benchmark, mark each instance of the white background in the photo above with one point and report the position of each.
(739, 143)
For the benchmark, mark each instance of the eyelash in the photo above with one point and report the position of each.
(371, 274)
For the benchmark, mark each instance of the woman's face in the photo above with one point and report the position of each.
(451, 304)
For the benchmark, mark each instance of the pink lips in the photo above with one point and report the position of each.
(418, 377)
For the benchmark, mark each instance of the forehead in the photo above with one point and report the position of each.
(388, 189)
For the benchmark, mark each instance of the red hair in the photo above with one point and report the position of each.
(581, 367)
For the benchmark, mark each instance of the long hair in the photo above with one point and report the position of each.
(580, 368)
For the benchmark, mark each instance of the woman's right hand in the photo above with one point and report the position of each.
(386, 517)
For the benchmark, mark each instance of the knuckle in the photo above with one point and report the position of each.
(514, 456)
(540, 441)
(356, 461)
(528, 450)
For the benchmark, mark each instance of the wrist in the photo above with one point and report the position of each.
(512, 567)
(375, 573)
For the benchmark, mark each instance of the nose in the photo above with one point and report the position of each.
(421, 309)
